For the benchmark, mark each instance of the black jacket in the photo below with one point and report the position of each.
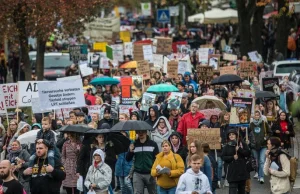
(111, 122)
(285, 138)
(182, 150)
(149, 121)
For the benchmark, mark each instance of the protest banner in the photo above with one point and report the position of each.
(247, 94)
(158, 60)
(211, 136)
(203, 55)
(36, 106)
(99, 46)
(125, 36)
(143, 69)
(247, 69)
(124, 109)
(164, 45)
(85, 70)
(174, 100)
(172, 69)
(271, 84)
(228, 70)
(182, 66)
(213, 61)
(254, 56)
(148, 53)
(118, 52)
(102, 29)
(128, 48)
(147, 101)
(131, 87)
(2, 104)
(26, 91)
(204, 72)
(240, 112)
(10, 94)
(61, 94)
(229, 57)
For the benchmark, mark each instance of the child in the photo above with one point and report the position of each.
(194, 181)
(47, 136)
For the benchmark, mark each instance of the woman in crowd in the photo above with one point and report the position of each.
(174, 119)
(86, 85)
(270, 112)
(11, 131)
(26, 127)
(162, 131)
(2, 134)
(70, 151)
(224, 122)
(283, 129)
(234, 154)
(99, 175)
(167, 168)
(19, 158)
(98, 100)
(176, 145)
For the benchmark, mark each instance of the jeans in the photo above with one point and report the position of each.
(220, 166)
(142, 180)
(161, 190)
(125, 185)
(50, 158)
(260, 157)
(237, 187)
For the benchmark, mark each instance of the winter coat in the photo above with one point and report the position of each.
(285, 138)
(123, 166)
(156, 136)
(149, 121)
(261, 133)
(174, 121)
(182, 150)
(172, 161)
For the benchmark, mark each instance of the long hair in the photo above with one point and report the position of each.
(199, 151)
(274, 112)
(222, 120)
(9, 131)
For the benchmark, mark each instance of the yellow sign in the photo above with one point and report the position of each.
(100, 46)
(125, 36)
(49, 44)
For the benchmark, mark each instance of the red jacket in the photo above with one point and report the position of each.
(188, 121)
(90, 98)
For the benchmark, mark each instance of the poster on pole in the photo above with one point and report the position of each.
(271, 84)
(174, 100)
(85, 70)
(228, 70)
(2, 104)
(203, 55)
(26, 91)
(240, 112)
(143, 69)
(10, 94)
(131, 89)
(147, 101)
(164, 45)
(211, 136)
(61, 94)
(172, 69)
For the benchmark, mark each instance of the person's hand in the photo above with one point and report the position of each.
(131, 147)
(195, 192)
(93, 185)
(237, 148)
(78, 175)
(235, 157)
(28, 171)
(277, 131)
(4, 147)
(287, 132)
(157, 171)
(247, 142)
(49, 168)
(267, 153)
(187, 138)
(271, 171)
(220, 140)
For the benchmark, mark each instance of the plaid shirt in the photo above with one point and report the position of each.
(47, 136)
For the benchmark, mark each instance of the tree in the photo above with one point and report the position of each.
(21, 18)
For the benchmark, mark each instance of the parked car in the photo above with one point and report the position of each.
(284, 68)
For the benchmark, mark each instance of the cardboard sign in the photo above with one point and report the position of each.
(240, 112)
(228, 70)
(138, 51)
(2, 104)
(211, 136)
(204, 72)
(229, 57)
(10, 94)
(61, 94)
(131, 88)
(27, 90)
(247, 69)
(125, 36)
(100, 46)
(172, 69)
(164, 45)
(143, 68)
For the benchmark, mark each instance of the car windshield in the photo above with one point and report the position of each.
(287, 68)
(57, 61)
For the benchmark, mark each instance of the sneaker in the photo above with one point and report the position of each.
(256, 175)
(219, 185)
(226, 184)
(117, 189)
(261, 180)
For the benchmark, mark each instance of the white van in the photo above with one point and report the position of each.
(284, 68)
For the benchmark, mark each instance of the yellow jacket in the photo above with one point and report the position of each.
(171, 161)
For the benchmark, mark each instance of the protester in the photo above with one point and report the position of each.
(9, 185)
(153, 115)
(177, 147)
(162, 131)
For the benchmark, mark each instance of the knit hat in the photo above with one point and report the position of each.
(232, 131)
(107, 110)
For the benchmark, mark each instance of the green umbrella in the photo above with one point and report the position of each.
(162, 88)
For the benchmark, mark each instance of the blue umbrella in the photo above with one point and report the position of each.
(105, 80)
(162, 88)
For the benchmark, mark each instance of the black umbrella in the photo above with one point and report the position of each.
(120, 142)
(132, 126)
(226, 79)
(78, 128)
(265, 94)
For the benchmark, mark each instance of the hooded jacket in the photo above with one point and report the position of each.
(190, 81)
(182, 150)
(191, 181)
(156, 136)
(261, 132)
(101, 174)
(149, 121)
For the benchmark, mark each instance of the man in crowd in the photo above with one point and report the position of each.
(153, 115)
(107, 118)
(8, 184)
(45, 178)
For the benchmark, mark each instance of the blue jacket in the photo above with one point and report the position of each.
(206, 169)
(191, 82)
(122, 166)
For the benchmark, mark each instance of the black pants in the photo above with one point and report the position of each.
(237, 187)
(71, 190)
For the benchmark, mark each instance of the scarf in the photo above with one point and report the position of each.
(13, 154)
(257, 122)
(96, 164)
(162, 131)
(176, 148)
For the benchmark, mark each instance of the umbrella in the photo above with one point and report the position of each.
(105, 80)
(226, 79)
(79, 128)
(265, 94)
(132, 126)
(129, 65)
(209, 112)
(30, 137)
(206, 102)
(162, 88)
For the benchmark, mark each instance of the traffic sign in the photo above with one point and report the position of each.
(163, 15)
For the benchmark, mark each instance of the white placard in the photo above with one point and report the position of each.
(125, 109)
(128, 48)
(26, 91)
(189, 64)
(203, 55)
(158, 60)
(174, 10)
(254, 56)
(2, 104)
(74, 77)
(61, 94)
(146, 9)
(85, 70)
(148, 53)
(118, 52)
(104, 63)
(36, 106)
(182, 67)
(165, 67)
(10, 94)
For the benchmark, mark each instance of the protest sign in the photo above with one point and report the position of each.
(254, 56)
(229, 57)
(158, 60)
(125, 36)
(36, 106)
(211, 136)
(189, 64)
(118, 52)
(207, 46)
(85, 70)
(148, 53)
(143, 69)
(164, 45)
(61, 94)
(115, 101)
(247, 69)
(10, 94)
(102, 29)
(147, 101)
(174, 100)
(214, 61)
(64, 112)
(138, 51)
(146, 9)
(26, 91)
(75, 77)
(78, 53)
(104, 63)
(127, 28)
(204, 72)
(109, 52)
(124, 109)
(228, 70)
(240, 112)
(2, 104)
(100, 46)
(245, 93)
(172, 69)
(203, 55)
(128, 48)
(131, 87)
(165, 64)
(271, 84)
(181, 48)
(182, 66)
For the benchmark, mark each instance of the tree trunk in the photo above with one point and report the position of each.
(256, 29)
(39, 68)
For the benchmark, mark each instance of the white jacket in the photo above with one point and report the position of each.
(156, 136)
(191, 181)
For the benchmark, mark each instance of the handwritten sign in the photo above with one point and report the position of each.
(2, 104)
(164, 45)
(143, 68)
(228, 70)
(247, 68)
(204, 72)
(26, 91)
(10, 93)
(172, 69)
(229, 57)
(211, 136)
